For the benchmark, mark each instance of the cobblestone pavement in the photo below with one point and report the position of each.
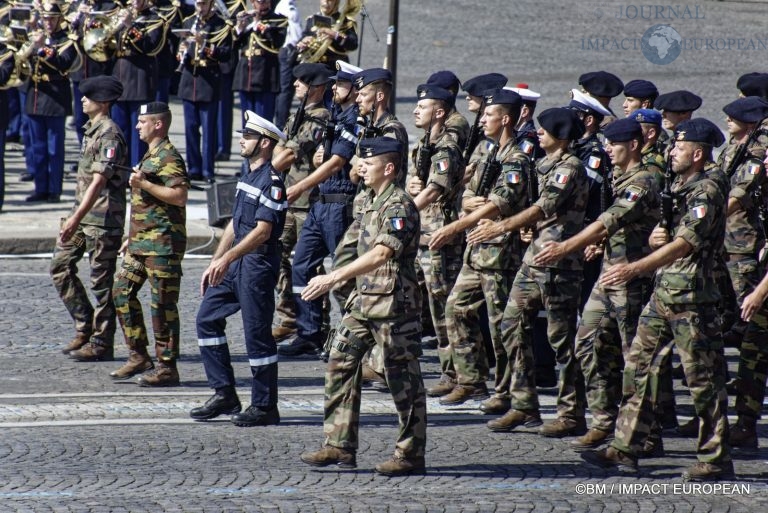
(73, 440)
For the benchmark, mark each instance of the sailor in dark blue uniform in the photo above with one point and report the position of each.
(242, 276)
(527, 139)
(329, 217)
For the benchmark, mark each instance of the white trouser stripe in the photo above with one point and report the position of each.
(216, 341)
(260, 362)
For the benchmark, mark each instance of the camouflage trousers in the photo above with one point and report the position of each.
(558, 293)
(607, 327)
(695, 331)
(472, 289)
(97, 321)
(746, 273)
(440, 271)
(164, 275)
(400, 344)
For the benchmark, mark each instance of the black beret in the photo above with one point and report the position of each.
(503, 97)
(370, 147)
(477, 86)
(750, 109)
(313, 73)
(601, 83)
(623, 130)
(153, 108)
(432, 92)
(562, 123)
(640, 89)
(444, 79)
(369, 76)
(753, 84)
(677, 101)
(101, 88)
(699, 130)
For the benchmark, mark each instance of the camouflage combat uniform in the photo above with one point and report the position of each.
(304, 145)
(157, 240)
(563, 200)
(382, 311)
(486, 277)
(744, 238)
(441, 267)
(682, 312)
(100, 233)
(609, 320)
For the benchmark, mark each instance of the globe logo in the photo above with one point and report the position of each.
(661, 44)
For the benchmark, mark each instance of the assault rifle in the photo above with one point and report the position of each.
(491, 172)
(667, 198)
(423, 158)
(474, 133)
(298, 119)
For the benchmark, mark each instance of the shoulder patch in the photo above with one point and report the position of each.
(527, 147)
(398, 223)
(594, 162)
(754, 168)
(513, 177)
(443, 165)
(276, 193)
(699, 212)
(562, 177)
(633, 193)
(110, 152)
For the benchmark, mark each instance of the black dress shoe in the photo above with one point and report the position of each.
(38, 196)
(196, 177)
(300, 346)
(218, 404)
(254, 416)
(26, 177)
(210, 179)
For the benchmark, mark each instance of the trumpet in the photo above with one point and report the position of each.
(187, 42)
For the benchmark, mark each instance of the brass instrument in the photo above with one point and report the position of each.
(100, 40)
(206, 38)
(316, 48)
(191, 37)
(273, 22)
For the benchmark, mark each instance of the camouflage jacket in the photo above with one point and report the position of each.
(563, 196)
(390, 291)
(699, 219)
(458, 128)
(510, 196)
(654, 162)
(308, 138)
(389, 126)
(157, 227)
(631, 218)
(743, 228)
(446, 172)
(103, 144)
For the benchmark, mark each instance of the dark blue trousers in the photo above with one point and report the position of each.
(47, 137)
(224, 115)
(126, 115)
(249, 285)
(200, 116)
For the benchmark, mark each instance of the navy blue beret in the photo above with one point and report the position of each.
(101, 88)
(503, 97)
(370, 147)
(369, 76)
(444, 79)
(677, 101)
(432, 92)
(601, 83)
(313, 73)
(647, 116)
(753, 84)
(477, 86)
(750, 109)
(623, 130)
(699, 130)
(562, 123)
(640, 89)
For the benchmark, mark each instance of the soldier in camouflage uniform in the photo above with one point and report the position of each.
(435, 182)
(651, 158)
(498, 189)
(154, 249)
(682, 312)
(557, 215)
(95, 224)
(383, 311)
(305, 134)
(744, 238)
(609, 320)
(456, 124)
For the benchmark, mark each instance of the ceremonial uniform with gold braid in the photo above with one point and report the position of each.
(6, 68)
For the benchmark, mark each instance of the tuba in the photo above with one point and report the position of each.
(317, 47)
(100, 38)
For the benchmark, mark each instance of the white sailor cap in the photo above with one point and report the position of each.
(255, 124)
(585, 102)
(346, 71)
(526, 94)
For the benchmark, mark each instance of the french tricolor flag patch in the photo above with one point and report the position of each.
(754, 169)
(699, 212)
(398, 223)
(631, 196)
(561, 178)
(276, 193)
(513, 177)
(527, 147)
(442, 165)
(594, 162)
(110, 152)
